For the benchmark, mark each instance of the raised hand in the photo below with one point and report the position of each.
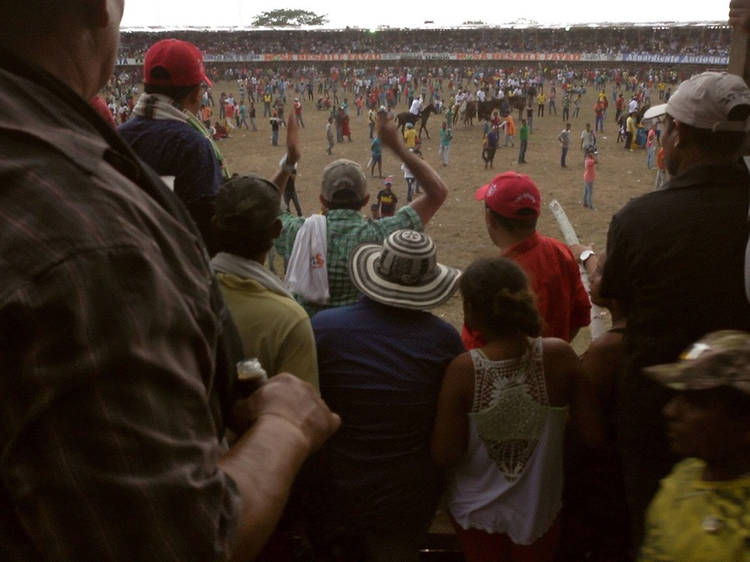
(293, 152)
(293, 400)
(388, 133)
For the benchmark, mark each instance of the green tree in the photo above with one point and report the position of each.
(288, 18)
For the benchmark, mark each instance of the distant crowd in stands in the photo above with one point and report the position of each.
(683, 40)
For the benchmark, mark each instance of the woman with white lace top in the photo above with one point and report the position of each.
(501, 420)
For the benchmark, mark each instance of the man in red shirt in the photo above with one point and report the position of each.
(511, 208)
(619, 106)
(599, 117)
(298, 112)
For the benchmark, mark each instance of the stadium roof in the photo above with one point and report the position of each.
(519, 24)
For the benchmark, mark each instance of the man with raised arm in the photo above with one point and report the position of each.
(343, 195)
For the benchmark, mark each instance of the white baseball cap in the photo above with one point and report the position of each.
(705, 101)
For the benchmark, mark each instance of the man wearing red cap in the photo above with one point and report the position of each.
(512, 204)
(167, 133)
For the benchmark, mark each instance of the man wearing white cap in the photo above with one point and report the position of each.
(675, 261)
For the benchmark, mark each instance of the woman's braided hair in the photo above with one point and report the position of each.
(501, 302)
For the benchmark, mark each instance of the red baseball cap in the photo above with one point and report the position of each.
(509, 193)
(183, 62)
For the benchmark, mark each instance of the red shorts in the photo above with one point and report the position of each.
(481, 546)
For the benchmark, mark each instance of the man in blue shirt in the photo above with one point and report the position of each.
(381, 363)
(167, 134)
(376, 157)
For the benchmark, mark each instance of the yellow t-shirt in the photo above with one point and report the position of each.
(273, 328)
(630, 125)
(410, 137)
(691, 520)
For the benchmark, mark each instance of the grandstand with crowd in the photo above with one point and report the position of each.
(704, 39)
(296, 62)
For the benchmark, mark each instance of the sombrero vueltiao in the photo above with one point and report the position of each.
(403, 272)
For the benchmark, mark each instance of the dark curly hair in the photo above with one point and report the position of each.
(501, 302)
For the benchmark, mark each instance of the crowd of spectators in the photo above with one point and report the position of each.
(155, 437)
(441, 80)
(679, 40)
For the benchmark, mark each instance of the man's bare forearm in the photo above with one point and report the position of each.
(435, 190)
(292, 155)
(263, 464)
(286, 420)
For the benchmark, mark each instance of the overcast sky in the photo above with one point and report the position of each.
(397, 13)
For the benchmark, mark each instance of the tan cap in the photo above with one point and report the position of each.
(247, 204)
(718, 359)
(342, 175)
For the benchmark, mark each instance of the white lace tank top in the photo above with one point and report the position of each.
(511, 477)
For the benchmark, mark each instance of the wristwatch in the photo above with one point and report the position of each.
(288, 168)
(586, 254)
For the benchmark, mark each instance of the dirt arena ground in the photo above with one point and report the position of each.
(458, 228)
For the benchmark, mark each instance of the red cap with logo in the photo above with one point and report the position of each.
(509, 193)
(182, 61)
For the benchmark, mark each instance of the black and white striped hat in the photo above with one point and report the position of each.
(403, 272)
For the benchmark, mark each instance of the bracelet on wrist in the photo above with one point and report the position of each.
(288, 168)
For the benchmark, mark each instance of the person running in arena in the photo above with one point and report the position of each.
(329, 135)
(564, 140)
(410, 136)
(387, 200)
(509, 126)
(489, 147)
(589, 175)
(298, 112)
(376, 157)
(540, 101)
(523, 137)
(446, 136)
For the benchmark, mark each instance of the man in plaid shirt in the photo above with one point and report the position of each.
(343, 195)
(116, 348)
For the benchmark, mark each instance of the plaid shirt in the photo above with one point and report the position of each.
(345, 230)
(111, 342)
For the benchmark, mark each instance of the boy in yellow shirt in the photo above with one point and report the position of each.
(410, 136)
(540, 101)
(701, 513)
